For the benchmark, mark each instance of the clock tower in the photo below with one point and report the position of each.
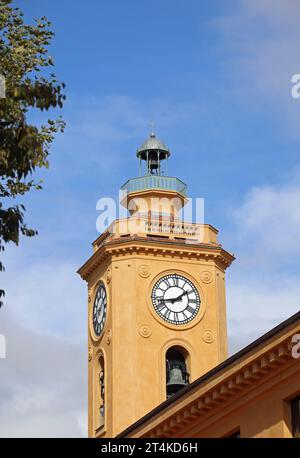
(156, 299)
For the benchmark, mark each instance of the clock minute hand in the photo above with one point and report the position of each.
(181, 295)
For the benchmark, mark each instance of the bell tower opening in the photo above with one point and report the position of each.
(153, 152)
(177, 375)
(100, 394)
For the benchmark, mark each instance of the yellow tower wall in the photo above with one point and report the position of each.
(135, 339)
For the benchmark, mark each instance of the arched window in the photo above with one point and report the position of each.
(100, 393)
(177, 375)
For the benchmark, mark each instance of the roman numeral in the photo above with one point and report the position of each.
(176, 318)
(167, 282)
(190, 309)
(160, 305)
(167, 314)
(162, 290)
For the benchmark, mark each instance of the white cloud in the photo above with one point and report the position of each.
(262, 46)
(44, 376)
(269, 222)
(44, 293)
(43, 384)
(263, 286)
(261, 49)
(257, 304)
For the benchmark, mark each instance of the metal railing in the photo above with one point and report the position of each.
(155, 182)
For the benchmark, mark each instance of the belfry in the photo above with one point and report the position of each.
(156, 299)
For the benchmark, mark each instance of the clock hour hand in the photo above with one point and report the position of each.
(178, 298)
(168, 300)
(165, 300)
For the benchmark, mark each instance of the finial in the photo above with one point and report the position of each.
(152, 126)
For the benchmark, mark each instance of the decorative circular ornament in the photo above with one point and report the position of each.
(99, 309)
(208, 336)
(145, 331)
(144, 271)
(175, 299)
(206, 277)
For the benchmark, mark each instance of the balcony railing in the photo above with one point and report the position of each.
(174, 230)
(155, 182)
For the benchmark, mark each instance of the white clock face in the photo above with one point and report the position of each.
(175, 299)
(99, 310)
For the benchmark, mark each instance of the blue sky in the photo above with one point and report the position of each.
(215, 77)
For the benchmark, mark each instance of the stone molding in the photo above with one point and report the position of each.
(134, 245)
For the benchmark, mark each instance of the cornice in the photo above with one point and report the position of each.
(155, 246)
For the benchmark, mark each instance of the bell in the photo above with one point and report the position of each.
(177, 378)
(153, 165)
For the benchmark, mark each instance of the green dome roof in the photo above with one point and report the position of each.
(153, 144)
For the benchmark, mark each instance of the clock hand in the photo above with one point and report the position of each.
(181, 295)
(168, 300)
(178, 298)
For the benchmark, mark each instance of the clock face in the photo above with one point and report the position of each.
(175, 299)
(99, 310)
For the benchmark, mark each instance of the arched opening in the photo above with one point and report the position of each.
(100, 393)
(177, 375)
